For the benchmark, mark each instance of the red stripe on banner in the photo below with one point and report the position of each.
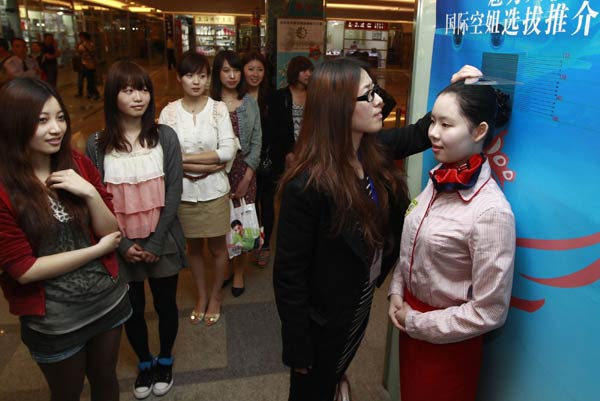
(527, 305)
(559, 244)
(580, 278)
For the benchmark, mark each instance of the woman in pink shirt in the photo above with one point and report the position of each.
(453, 281)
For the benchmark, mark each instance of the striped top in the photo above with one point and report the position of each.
(457, 253)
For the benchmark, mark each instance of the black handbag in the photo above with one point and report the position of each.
(265, 165)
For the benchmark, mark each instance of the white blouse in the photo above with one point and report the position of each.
(212, 131)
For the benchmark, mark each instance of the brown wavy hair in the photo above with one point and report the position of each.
(324, 150)
(21, 102)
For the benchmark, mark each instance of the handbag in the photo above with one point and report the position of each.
(245, 234)
(266, 164)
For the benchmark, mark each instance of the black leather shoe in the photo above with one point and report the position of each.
(227, 281)
(236, 292)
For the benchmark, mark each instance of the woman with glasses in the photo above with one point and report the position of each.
(342, 208)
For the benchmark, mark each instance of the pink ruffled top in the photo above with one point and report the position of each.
(136, 181)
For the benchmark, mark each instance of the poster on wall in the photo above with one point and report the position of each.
(546, 160)
(298, 37)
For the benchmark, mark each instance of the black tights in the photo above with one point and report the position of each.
(164, 291)
(97, 360)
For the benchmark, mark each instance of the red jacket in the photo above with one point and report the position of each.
(17, 256)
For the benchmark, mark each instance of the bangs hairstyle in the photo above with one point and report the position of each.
(121, 75)
(192, 63)
(325, 151)
(235, 62)
(296, 66)
(481, 103)
(22, 101)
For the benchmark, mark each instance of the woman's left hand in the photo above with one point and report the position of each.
(72, 182)
(401, 315)
(468, 73)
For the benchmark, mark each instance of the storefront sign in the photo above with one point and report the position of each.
(367, 25)
(214, 19)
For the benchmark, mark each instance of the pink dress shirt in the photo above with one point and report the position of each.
(457, 254)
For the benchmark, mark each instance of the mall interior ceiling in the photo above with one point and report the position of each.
(399, 11)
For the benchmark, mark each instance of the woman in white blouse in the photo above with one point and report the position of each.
(207, 143)
(454, 278)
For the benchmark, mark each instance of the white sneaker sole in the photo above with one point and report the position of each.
(141, 393)
(160, 388)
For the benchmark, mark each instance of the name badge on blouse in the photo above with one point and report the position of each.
(413, 204)
(375, 269)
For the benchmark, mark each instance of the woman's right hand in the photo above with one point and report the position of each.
(109, 242)
(302, 371)
(134, 254)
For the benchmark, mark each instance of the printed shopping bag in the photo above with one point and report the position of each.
(246, 234)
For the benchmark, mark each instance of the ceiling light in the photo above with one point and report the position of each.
(368, 7)
(109, 3)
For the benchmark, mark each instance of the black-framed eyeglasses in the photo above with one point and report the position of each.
(370, 95)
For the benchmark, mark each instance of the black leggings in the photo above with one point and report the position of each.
(164, 291)
(97, 360)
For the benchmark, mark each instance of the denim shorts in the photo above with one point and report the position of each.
(65, 354)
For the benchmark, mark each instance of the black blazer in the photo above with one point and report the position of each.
(280, 129)
(318, 277)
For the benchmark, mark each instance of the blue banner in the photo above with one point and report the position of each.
(546, 159)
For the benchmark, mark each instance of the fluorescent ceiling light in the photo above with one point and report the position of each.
(142, 9)
(109, 3)
(367, 7)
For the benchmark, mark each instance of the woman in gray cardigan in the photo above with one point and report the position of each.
(140, 164)
(228, 86)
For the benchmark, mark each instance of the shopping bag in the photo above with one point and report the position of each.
(246, 234)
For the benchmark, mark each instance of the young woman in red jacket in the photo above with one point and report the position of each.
(57, 240)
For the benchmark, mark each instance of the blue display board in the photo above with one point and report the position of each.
(547, 160)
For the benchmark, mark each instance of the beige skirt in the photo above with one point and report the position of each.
(205, 219)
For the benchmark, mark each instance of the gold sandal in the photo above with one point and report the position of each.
(212, 318)
(196, 317)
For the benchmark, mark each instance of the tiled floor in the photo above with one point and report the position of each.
(238, 359)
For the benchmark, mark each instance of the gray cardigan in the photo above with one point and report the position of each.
(168, 221)
(250, 130)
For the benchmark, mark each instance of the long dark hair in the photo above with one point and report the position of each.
(324, 150)
(264, 89)
(121, 75)
(234, 61)
(21, 101)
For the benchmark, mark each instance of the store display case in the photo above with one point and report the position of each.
(214, 33)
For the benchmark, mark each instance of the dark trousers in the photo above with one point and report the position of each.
(266, 189)
(164, 294)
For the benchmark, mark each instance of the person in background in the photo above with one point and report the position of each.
(4, 55)
(342, 206)
(208, 144)
(227, 85)
(140, 162)
(171, 52)
(87, 53)
(453, 282)
(21, 64)
(51, 53)
(255, 77)
(286, 110)
(57, 239)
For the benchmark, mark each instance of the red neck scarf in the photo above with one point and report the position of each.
(447, 179)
